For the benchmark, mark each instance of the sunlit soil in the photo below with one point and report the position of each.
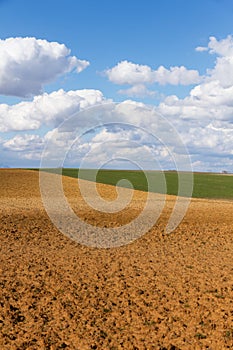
(159, 292)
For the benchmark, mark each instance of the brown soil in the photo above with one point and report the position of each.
(159, 292)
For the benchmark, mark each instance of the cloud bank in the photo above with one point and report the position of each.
(46, 109)
(204, 118)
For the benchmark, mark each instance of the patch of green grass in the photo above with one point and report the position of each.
(229, 333)
(189, 266)
(206, 185)
(220, 296)
(213, 186)
(106, 310)
(149, 323)
(200, 336)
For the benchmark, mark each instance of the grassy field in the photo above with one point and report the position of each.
(206, 185)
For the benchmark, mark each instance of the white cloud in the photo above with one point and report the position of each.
(204, 118)
(206, 102)
(222, 47)
(129, 73)
(206, 136)
(134, 74)
(223, 70)
(114, 143)
(24, 142)
(27, 64)
(176, 76)
(201, 49)
(133, 140)
(138, 90)
(46, 109)
(212, 99)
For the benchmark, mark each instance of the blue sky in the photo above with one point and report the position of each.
(114, 40)
(105, 32)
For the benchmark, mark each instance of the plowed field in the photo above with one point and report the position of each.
(160, 292)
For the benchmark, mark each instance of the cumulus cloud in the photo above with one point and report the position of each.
(129, 73)
(212, 99)
(176, 76)
(223, 69)
(137, 75)
(126, 72)
(204, 118)
(209, 101)
(223, 47)
(139, 90)
(108, 143)
(206, 134)
(201, 49)
(26, 146)
(25, 142)
(128, 130)
(27, 64)
(46, 109)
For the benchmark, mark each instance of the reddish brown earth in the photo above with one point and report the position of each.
(159, 292)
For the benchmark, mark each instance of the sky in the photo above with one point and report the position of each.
(133, 76)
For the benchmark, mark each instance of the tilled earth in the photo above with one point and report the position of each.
(159, 292)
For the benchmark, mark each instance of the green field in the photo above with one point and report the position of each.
(206, 185)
